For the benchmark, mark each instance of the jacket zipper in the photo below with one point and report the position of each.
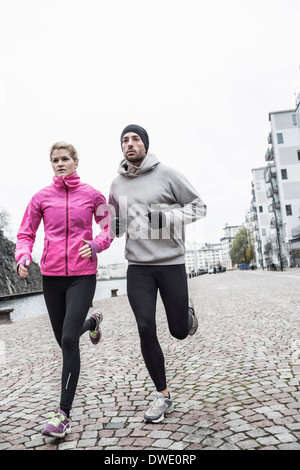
(67, 227)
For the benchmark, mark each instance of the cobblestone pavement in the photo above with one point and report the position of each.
(235, 383)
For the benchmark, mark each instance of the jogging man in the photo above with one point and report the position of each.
(153, 203)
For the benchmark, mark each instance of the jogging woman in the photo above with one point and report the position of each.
(68, 265)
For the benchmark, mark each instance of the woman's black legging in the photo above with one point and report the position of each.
(68, 300)
(143, 282)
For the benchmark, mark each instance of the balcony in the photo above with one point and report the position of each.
(271, 208)
(272, 190)
(296, 232)
(273, 222)
(270, 173)
(270, 140)
(267, 248)
(269, 157)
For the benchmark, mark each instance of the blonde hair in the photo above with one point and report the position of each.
(65, 146)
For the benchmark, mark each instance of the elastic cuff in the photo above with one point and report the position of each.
(23, 262)
(94, 247)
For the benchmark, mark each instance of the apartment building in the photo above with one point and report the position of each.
(279, 242)
(203, 256)
(283, 175)
(229, 235)
(113, 271)
(261, 217)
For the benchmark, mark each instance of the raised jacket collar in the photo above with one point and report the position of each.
(71, 181)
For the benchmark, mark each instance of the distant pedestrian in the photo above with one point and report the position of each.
(68, 265)
(153, 203)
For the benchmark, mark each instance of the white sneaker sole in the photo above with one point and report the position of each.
(56, 434)
(161, 417)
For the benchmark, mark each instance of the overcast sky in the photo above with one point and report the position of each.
(200, 77)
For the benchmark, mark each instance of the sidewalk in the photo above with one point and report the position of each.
(235, 383)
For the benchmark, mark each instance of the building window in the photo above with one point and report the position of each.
(280, 138)
(258, 184)
(260, 208)
(284, 174)
(288, 209)
(295, 119)
(298, 153)
(263, 232)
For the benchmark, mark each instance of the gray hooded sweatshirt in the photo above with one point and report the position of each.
(155, 187)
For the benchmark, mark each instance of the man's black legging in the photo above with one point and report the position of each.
(68, 300)
(143, 282)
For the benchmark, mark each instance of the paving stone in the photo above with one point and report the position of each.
(159, 434)
(107, 441)
(268, 441)
(115, 425)
(162, 443)
(67, 445)
(286, 437)
(248, 444)
(293, 446)
(86, 443)
(178, 446)
(212, 442)
(234, 384)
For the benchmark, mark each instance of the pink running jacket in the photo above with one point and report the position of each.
(67, 208)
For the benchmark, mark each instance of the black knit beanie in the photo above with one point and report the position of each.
(137, 130)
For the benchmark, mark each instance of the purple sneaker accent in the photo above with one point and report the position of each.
(96, 335)
(58, 426)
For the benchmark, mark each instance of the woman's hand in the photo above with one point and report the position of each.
(23, 269)
(85, 251)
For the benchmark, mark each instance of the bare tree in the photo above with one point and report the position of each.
(4, 219)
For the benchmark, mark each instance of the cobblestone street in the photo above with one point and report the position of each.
(235, 384)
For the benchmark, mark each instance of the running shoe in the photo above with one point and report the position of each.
(58, 426)
(95, 335)
(195, 319)
(159, 407)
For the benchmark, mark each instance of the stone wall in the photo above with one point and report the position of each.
(10, 282)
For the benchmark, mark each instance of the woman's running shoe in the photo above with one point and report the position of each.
(58, 426)
(95, 335)
(159, 407)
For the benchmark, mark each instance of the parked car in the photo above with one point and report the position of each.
(244, 267)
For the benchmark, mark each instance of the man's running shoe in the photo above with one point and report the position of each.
(159, 407)
(195, 319)
(95, 335)
(58, 426)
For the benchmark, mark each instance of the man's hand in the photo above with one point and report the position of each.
(118, 226)
(157, 219)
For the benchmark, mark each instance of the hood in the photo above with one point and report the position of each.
(148, 164)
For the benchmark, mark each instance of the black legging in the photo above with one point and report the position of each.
(143, 283)
(68, 300)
